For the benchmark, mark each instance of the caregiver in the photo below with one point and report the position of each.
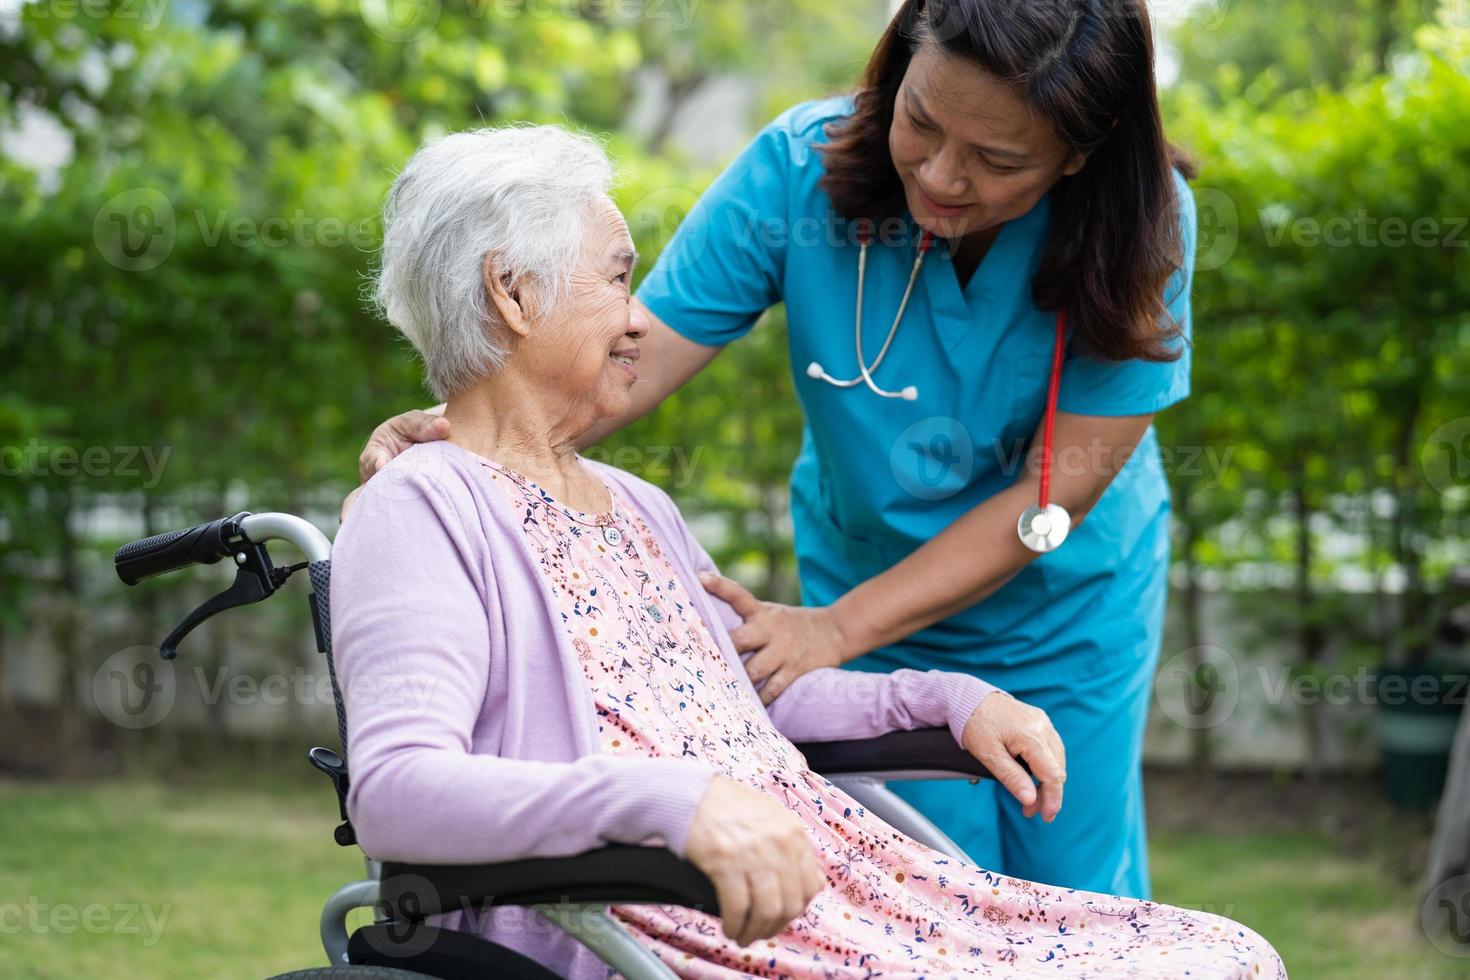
(1003, 164)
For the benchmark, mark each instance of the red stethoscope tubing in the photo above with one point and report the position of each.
(1053, 386)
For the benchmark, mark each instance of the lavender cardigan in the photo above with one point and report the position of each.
(471, 733)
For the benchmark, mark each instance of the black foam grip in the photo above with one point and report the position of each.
(202, 544)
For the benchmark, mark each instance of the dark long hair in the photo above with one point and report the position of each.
(1087, 66)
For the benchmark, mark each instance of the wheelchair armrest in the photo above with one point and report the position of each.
(623, 874)
(617, 874)
(924, 753)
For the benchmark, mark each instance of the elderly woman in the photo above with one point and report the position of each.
(576, 684)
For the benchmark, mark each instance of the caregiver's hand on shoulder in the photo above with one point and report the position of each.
(758, 856)
(392, 438)
(1003, 729)
(789, 640)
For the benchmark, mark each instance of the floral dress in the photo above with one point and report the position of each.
(893, 907)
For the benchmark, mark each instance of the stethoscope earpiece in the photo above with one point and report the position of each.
(865, 375)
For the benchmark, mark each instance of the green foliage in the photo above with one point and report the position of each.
(1332, 338)
(186, 286)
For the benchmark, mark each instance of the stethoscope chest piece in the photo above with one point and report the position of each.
(1044, 528)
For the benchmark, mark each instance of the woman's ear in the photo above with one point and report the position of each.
(503, 296)
(1075, 162)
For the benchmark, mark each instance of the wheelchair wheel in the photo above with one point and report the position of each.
(349, 973)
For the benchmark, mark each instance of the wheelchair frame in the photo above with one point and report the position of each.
(572, 893)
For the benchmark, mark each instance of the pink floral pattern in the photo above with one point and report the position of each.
(894, 907)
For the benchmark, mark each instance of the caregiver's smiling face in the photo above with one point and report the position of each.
(969, 152)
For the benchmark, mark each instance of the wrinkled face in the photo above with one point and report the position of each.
(588, 347)
(970, 154)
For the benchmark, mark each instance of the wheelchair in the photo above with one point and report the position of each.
(571, 893)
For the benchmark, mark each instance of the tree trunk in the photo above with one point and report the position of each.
(680, 91)
(1406, 546)
(1310, 639)
(1201, 752)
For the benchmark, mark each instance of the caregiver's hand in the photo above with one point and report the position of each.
(757, 854)
(392, 438)
(1003, 729)
(791, 640)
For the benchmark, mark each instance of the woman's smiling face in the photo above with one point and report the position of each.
(587, 348)
(969, 152)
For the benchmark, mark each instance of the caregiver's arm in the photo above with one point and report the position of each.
(840, 705)
(968, 561)
(981, 551)
(666, 360)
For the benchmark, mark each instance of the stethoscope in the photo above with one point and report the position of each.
(1044, 525)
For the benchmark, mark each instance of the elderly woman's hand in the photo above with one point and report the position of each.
(1003, 729)
(757, 854)
(392, 438)
(791, 640)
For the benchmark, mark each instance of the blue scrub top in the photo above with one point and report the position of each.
(877, 477)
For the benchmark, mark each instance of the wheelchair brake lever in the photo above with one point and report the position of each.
(255, 580)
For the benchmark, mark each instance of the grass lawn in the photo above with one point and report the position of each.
(142, 879)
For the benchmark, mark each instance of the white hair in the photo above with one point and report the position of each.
(521, 193)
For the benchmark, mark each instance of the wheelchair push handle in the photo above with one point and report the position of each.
(243, 537)
(202, 544)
